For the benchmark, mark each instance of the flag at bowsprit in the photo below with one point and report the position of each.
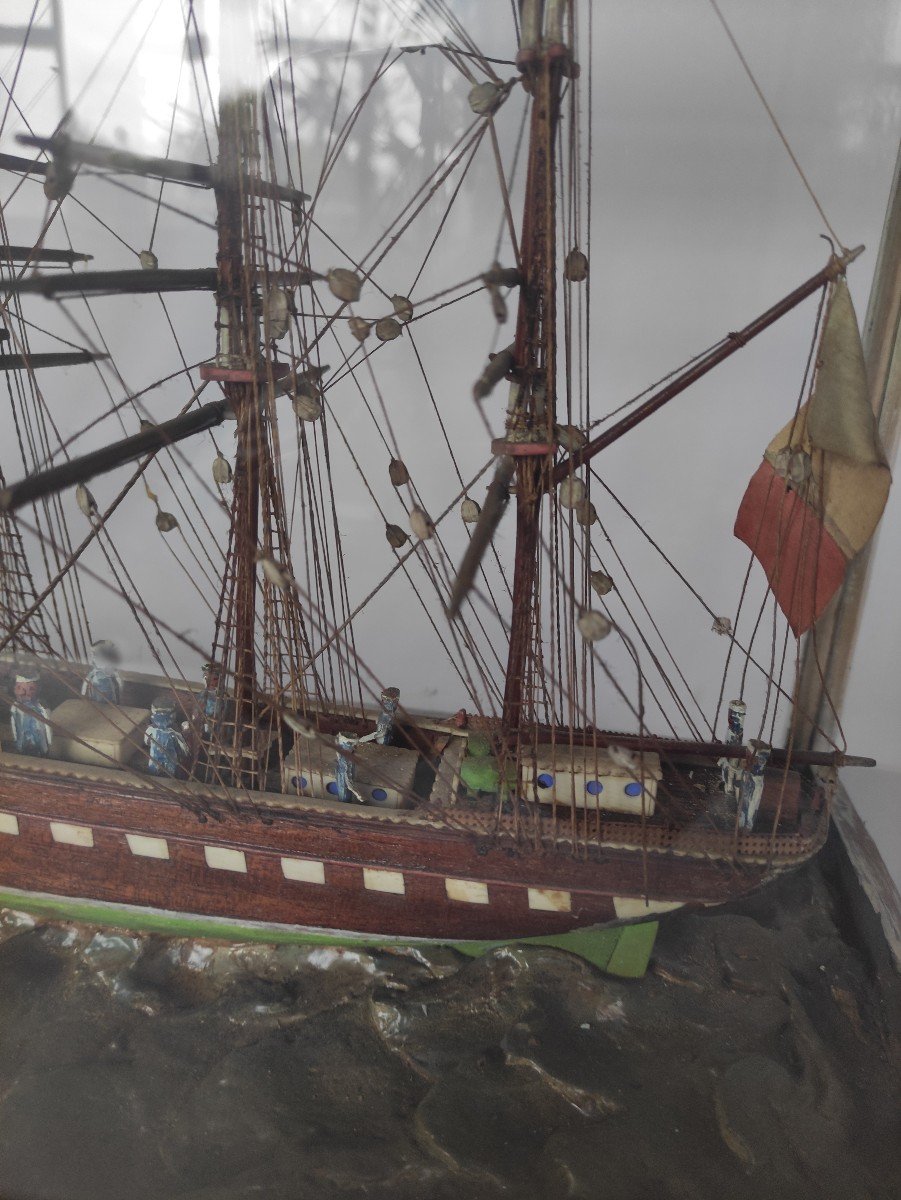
(817, 497)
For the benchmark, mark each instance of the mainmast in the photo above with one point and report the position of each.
(544, 61)
(237, 356)
(253, 612)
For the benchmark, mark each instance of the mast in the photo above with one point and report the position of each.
(253, 612)
(543, 61)
(236, 368)
(237, 356)
(827, 661)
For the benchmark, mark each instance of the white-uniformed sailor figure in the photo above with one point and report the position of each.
(28, 716)
(102, 683)
(210, 700)
(167, 747)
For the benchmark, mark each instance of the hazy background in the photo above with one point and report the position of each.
(698, 223)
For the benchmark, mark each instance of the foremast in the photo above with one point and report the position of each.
(237, 354)
(260, 641)
(545, 61)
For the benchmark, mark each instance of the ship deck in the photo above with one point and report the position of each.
(690, 819)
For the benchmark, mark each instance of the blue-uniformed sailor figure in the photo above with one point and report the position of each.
(102, 683)
(346, 767)
(28, 716)
(384, 729)
(166, 744)
(732, 769)
(210, 699)
(752, 784)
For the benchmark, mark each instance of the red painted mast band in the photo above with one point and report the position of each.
(501, 447)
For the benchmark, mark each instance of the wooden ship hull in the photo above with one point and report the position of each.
(253, 830)
(182, 854)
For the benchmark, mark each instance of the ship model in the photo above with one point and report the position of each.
(291, 793)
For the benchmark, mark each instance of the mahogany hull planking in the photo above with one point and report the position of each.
(95, 836)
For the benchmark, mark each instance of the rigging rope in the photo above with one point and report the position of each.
(778, 128)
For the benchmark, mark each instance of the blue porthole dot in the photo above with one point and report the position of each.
(544, 780)
(294, 781)
(633, 789)
(379, 794)
(303, 781)
(332, 788)
(594, 787)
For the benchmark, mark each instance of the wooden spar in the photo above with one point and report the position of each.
(33, 362)
(732, 342)
(37, 36)
(796, 757)
(172, 169)
(98, 462)
(28, 166)
(534, 367)
(495, 507)
(37, 254)
(723, 350)
(112, 283)
(42, 37)
(238, 348)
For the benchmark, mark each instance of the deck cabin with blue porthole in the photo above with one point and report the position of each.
(593, 779)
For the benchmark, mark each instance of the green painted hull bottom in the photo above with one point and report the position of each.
(622, 950)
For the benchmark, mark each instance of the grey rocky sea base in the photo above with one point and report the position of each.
(757, 1058)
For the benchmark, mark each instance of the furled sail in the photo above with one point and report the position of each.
(817, 497)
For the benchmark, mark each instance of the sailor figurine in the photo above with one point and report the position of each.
(28, 717)
(389, 700)
(752, 784)
(167, 746)
(346, 767)
(209, 700)
(102, 683)
(732, 769)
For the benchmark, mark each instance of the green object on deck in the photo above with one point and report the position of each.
(620, 950)
(480, 774)
(480, 768)
(477, 746)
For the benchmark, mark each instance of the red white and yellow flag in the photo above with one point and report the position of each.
(817, 497)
